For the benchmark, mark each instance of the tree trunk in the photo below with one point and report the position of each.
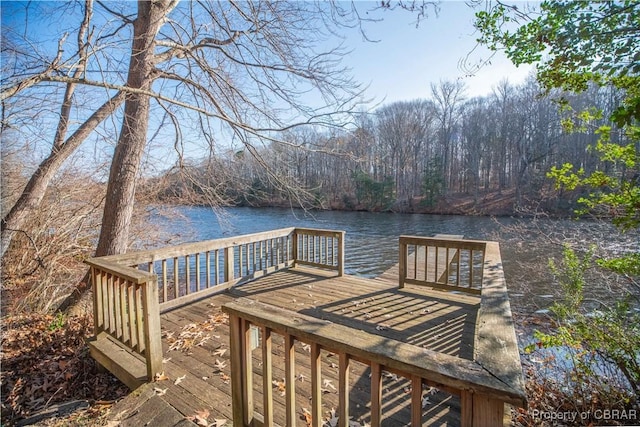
(120, 199)
(119, 203)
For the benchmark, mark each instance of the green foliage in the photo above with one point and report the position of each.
(616, 193)
(58, 322)
(610, 336)
(627, 265)
(433, 181)
(570, 276)
(575, 44)
(375, 194)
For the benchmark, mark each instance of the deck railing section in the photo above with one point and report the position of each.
(130, 290)
(448, 264)
(125, 306)
(319, 248)
(480, 392)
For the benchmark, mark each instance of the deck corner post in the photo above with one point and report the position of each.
(402, 262)
(237, 392)
(294, 247)
(152, 332)
(341, 235)
(487, 412)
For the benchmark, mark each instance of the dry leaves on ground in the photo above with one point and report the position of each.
(45, 361)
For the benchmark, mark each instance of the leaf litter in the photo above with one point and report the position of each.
(45, 361)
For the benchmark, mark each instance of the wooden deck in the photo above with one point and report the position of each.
(196, 346)
(429, 342)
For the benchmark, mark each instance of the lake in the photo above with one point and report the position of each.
(371, 244)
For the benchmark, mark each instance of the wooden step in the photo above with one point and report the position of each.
(127, 366)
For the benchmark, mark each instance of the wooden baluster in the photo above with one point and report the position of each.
(415, 262)
(267, 377)
(416, 401)
(207, 259)
(316, 386)
(247, 372)
(197, 271)
(124, 315)
(426, 263)
(290, 379)
(164, 280)
(116, 309)
(187, 274)
(96, 283)
(139, 319)
(216, 268)
(376, 394)
(471, 266)
(133, 331)
(110, 321)
(437, 278)
(176, 282)
(255, 257)
(343, 390)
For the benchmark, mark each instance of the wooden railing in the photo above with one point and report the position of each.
(482, 395)
(130, 290)
(448, 264)
(484, 385)
(319, 248)
(125, 306)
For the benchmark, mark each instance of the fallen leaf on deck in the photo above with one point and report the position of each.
(328, 384)
(306, 347)
(159, 391)
(219, 422)
(179, 379)
(220, 352)
(161, 377)
(306, 417)
(220, 365)
(280, 386)
(200, 418)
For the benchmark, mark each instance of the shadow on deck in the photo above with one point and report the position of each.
(421, 327)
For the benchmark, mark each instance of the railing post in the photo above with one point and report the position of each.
(237, 392)
(341, 253)
(152, 333)
(402, 263)
(229, 266)
(294, 247)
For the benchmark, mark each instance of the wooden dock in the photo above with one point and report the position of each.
(424, 345)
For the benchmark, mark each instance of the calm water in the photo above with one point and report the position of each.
(371, 245)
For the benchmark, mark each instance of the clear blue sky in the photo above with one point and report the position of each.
(406, 60)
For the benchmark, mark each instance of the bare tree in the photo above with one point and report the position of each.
(64, 143)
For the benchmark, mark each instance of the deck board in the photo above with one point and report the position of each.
(437, 320)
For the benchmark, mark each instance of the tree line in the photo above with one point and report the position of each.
(409, 155)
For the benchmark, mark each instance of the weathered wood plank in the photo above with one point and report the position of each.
(127, 366)
(495, 342)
